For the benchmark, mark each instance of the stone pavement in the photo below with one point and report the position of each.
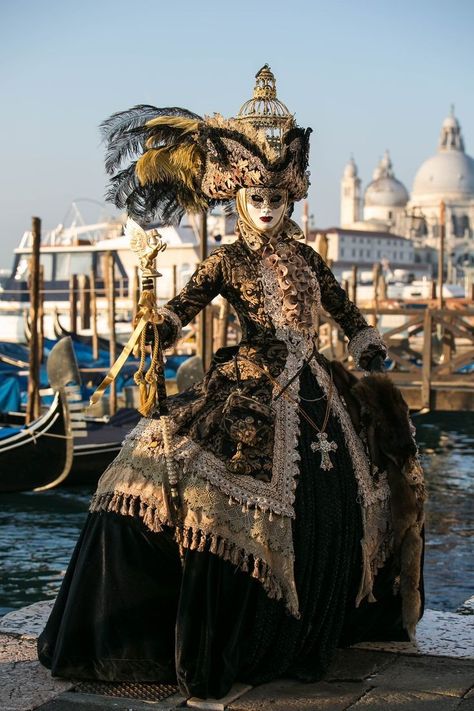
(437, 674)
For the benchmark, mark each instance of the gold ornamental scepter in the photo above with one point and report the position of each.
(151, 382)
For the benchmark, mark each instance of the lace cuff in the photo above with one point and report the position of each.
(365, 344)
(171, 329)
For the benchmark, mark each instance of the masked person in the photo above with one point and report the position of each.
(286, 542)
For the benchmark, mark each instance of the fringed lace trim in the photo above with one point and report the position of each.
(194, 538)
(373, 497)
(276, 496)
(129, 505)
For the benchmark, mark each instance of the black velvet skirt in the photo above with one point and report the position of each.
(130, 609)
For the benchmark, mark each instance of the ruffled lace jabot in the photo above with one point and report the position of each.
(297, 284)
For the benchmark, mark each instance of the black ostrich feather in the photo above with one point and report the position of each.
(156, 202)
(122, 185)
(229, 208)
(162, 201)
(303, 135)
(125, 132)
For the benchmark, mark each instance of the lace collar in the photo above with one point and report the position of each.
(257, 241)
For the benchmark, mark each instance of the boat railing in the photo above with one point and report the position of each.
(72, 235)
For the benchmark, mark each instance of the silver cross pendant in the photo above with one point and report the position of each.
(324, 446)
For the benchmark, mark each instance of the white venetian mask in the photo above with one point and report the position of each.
(265, 207)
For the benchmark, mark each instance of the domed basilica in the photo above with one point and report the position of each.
(386, 206)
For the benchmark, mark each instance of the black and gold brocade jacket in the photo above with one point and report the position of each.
(234, 272)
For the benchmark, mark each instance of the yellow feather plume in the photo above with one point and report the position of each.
(182, 163)
(173, 164)
(186, 160)
(153, 166)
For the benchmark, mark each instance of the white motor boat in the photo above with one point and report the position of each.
(81, 249)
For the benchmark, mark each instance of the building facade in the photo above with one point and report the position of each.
(364, 248)
(386, 206)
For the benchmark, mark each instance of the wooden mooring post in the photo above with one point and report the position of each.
(33, 404)
(442, 235)
(84, 301)
(323, 246)
(174, 282)
(135, 293)
(73, 303)
(41, 315)
(111, 322)
(427, 360)
(376, 283)
(93, 309)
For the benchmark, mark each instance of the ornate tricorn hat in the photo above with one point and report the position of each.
(165, 162)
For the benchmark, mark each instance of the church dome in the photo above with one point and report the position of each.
(446, 173)
(450, 172)
(385, 190)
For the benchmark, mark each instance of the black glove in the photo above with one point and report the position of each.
(376, 364)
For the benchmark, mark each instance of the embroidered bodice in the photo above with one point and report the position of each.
(235, 271)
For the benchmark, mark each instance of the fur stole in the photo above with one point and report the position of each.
(377, 407)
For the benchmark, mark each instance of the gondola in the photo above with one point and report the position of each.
(61, 332)
(100, 439)
(95, 443)
(39, 456)
(100, 443)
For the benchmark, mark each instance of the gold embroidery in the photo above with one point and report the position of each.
(237, 516)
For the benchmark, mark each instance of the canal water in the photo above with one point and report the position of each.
(38, 530)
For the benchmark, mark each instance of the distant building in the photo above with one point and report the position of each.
(447, 176)
(386, 206)
(350, 195)
(365, 248)
(384, 202)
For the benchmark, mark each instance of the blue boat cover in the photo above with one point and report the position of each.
(10, 394)
(6, 431)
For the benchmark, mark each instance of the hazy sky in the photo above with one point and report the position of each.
(365, 75)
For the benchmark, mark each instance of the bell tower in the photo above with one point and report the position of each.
(350, 195)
